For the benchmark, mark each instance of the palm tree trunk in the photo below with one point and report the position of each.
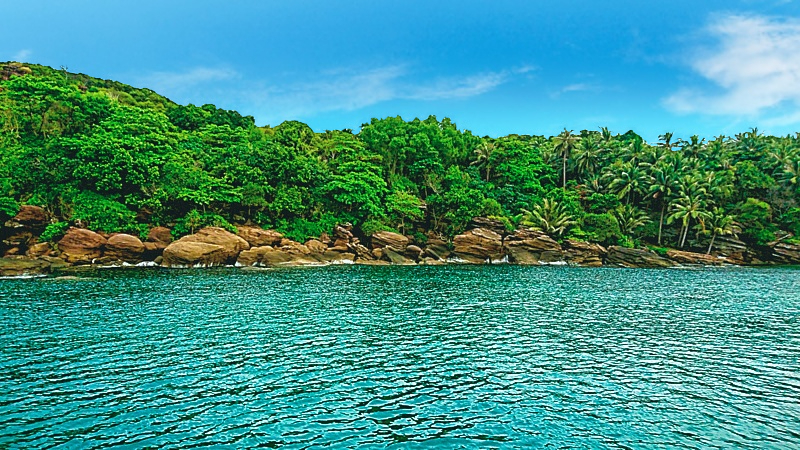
(711, 244)
(685, 232)
(661, 221)
(564, 170)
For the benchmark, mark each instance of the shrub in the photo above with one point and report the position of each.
(601, 228)
(54, 231)
(195, 220)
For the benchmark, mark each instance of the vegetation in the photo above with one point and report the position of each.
(117, 158)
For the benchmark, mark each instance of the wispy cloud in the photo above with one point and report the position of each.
(176, 82)
(754, 67)
(22, 55)
(348, 90)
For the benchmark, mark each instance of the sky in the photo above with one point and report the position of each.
(494, 67)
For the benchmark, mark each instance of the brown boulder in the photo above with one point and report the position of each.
(585, 254)
(528, 246)
(478, 246)
(187, 253)
(231, 243)
(315, 246)
(81, 246)
(258, 237)
(161, 235)
(336, 257)
(694, 258)
(380, 239)
(437, 249)
(413, 252)
(360, 251)
(29, 216)
(124, 247)
(40, 249)
(634, 257)
(20, 267)
(489, 224)
(396, 258)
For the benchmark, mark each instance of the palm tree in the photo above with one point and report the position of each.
(687, 207)
(563, 145)
(626, 180)
(483, 155)
(720, 224)
(662, 185)
(630, 218)
(666, 141)
(586, 158)
(549, 217)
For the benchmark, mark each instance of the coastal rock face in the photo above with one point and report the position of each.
(488, 224)
(124, 247)
(160, 235)
(315, 246)
(21, 231)
(736, 251)
(528, 247)
(361, 252)
(694, 258)
(381, 239)
(437, 249)
(40, 249)
(634, 258)
(232, 244)
(584, 254)
(786, 253)
(81, 246)
(396, 258)
(258, 237)
(187, 253)
(478, 246)
(18, 266)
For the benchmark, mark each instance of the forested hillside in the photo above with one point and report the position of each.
(116, 158)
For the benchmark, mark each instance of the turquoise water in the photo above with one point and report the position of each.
(419, 357)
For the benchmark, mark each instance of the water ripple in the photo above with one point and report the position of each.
(375, 357)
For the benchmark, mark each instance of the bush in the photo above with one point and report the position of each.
(300, 229)
(54, 231)
(102, 214)
(601, 228)
(373, 226)
(195, 220)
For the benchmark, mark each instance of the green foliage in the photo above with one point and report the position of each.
(103, 214)
(8, 208)
(660, 251)
(300, 229)
(195, 220)
(601, 228)
(598, 203)
(755, 217)
(54, 231)
(372, 226)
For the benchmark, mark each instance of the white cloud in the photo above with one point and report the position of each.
(755, 67)
(22, 55)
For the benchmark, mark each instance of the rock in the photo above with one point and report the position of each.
(324, 238)
(786, 253)
(378, 253)
(162, 235)
(372, 262)
(159, 259)
(694, 258)
(489, 224)
(413, 252)
(432, 262)
(81, 246)
(343, 232)
(526, 246)
(396, 258)
(258, 237)
(478, 246)
(20, 267)
(584, 254)
(315, 246)
(397, 241)
(734, 250)
(231, 243)
(188, 253)
(336, 257)
(634, 257)
(40, 249)
(437, 249)
(360, 251)
(31, 217)
(124, 247)
(153, 250)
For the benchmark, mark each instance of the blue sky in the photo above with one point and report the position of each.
(494, 67)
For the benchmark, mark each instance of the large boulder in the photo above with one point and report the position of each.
(188, 253)
(683, 257)
(231, 243)
(396, 258)
(160, 235)
(124, 247)
(31, 217)
(634, 257)
(361, 252)
(271, 257)
(81, 246)
(381, 239)
(437, 249)
(786, 253)
(315, 246)
(478, 246)
(585, 254)
(526, 246)
(40, 249)
(258, 237)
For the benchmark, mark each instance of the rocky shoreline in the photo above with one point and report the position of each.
(485, 242)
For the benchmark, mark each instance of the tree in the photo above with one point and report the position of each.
(719, 223)
(563, 145)
(483, 156)
(549, 217)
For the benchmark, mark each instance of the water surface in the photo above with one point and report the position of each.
(405, 357)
